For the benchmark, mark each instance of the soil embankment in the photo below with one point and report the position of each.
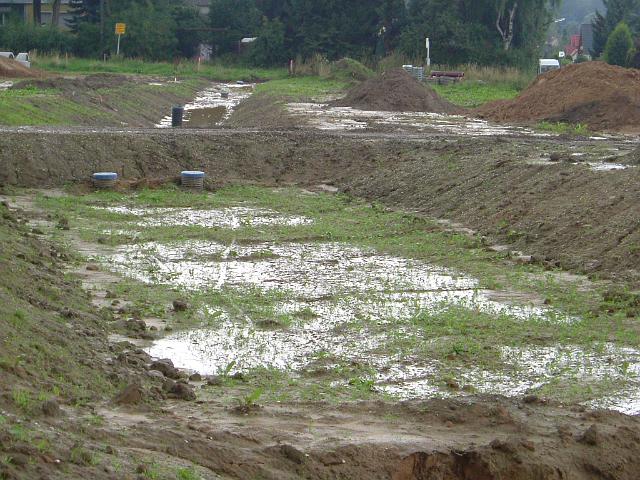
(99, 100)
(396, 91)
(12, 69)
(564, 214)
(603, 97)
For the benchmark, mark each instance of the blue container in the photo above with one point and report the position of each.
(177, 113)
(105, 176)
(104, 179)
(192, 179)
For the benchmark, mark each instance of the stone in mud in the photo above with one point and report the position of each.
(214, 380)
(591, 436)
(155, 374)
(166, 368)
(63, 224)
(92, 267)
(50, 408)
(292, 454)
(182, 391)
(132, 394)
(180, 305)
(136, 325)
(196, 377)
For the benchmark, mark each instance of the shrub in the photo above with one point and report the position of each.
(619, 46)
(18, 36)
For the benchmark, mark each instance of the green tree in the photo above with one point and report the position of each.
(619, 46)
(232, 20)
(617, 11)
(269, 49)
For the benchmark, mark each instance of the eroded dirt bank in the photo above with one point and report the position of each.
(563, 212)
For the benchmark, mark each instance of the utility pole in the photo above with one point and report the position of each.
(102, 28)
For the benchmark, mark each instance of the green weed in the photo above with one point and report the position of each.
(22, 399)
(564, 128)
(187, 474)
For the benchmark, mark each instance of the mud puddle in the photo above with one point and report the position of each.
(232, 217)
(596, 166)
(324, 117)
(334, 304)
(212, 106)
(347, 304)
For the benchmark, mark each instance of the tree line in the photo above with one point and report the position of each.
(479, 31)
(614, 33)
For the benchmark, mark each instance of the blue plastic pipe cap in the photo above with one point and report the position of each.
(192, 174)
(105, 176)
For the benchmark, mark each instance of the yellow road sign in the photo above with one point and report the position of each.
(121, 28)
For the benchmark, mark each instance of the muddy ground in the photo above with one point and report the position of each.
(562, 212)
(80, 399)
(79, 405)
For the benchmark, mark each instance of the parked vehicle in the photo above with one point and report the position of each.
(23, 58)
(547, 64)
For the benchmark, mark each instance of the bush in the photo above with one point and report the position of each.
(269, 48)
(619, 46)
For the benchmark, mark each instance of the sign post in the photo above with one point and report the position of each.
(428, 45)
(121, 29)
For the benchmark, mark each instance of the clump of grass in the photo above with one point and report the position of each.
(22, 399)
(562, 128)
(187, 474)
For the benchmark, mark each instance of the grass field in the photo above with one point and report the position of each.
(185, 68)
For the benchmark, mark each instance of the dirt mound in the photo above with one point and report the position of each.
(604, 97)
(395, 91)
(12, 69)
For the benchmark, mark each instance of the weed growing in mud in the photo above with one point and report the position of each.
(564, 128)
(187, 474)
(23, 400)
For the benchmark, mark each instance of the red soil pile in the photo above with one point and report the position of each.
(602, 96)
(12, 69)
(395, 91)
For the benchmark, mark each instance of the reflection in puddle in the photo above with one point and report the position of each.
(212, 106)
(346, 118)
(232, 217)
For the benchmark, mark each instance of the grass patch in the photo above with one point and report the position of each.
(33, 106)
(183, 69)
(562, 128)
(471, 94)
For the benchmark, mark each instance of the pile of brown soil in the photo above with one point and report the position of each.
(395, 91)
(12, 69)
(604, 97)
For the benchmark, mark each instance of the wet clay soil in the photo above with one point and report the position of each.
(456, 439)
